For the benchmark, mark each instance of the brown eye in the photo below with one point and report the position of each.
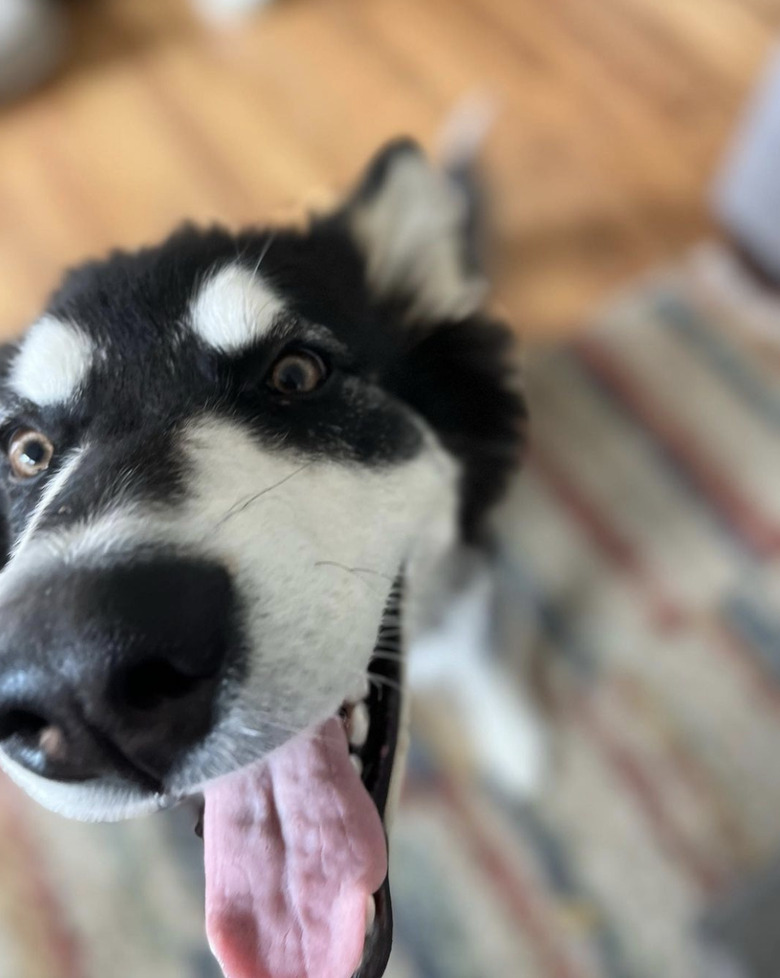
(29, 453)
(300, 372)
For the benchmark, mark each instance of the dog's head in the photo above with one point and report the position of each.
(218, 455)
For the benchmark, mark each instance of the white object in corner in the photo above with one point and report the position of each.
(746, 195)
(228, 10)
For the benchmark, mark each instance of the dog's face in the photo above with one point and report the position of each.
(220, 457)
(217, 456)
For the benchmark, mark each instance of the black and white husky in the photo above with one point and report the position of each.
(233, 466)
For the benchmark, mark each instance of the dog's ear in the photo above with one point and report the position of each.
(411, 224)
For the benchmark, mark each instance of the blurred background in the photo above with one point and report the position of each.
(633, 173)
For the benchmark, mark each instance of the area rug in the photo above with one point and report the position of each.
(645, 543)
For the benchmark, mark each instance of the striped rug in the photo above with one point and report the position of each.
(646, 546)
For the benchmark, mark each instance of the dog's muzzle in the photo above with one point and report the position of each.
(113, 671)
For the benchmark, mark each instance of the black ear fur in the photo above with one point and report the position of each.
(461, 377)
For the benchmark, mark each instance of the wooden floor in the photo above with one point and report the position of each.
(613, 114)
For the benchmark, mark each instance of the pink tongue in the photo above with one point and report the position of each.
(294, 847)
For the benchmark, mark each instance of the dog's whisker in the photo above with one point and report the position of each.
(356, 572)
(380, 681)
(269, 241)
(267, 722)
(247, 501)
(270, 722)
(353, 570)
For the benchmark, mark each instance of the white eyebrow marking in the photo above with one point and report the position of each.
(52, 362)
(234, 308)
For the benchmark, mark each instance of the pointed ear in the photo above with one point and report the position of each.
(410, 223)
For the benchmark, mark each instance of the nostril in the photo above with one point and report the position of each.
(24, 725)
(57, 747)
(32, 739)
(147, 684)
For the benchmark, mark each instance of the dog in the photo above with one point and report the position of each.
(238, 471)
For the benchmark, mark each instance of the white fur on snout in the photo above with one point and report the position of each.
(52, 362)
(312, 545)
(234, 308)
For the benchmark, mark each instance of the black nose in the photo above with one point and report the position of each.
(114, 671)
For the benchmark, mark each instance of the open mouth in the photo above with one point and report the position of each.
(296, 844)
(381, 762)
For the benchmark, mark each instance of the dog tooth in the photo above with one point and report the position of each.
(357, 763)
(359, 692)
(370, 914)
(358, 724)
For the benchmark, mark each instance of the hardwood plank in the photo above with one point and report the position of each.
(612, 117)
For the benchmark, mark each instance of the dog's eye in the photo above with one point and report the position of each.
(298, 372)
(29, 453)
